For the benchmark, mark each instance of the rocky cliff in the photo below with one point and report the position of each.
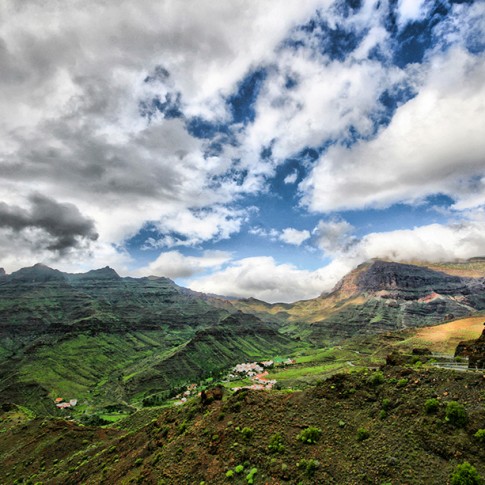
(474, 350)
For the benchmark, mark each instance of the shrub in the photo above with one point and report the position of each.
(310, 435)
(456, 414)
(362, 434)
(431, 406)
(308, 466)
(276, 444)
(465, 474)
(250, 475)
(375, 378)
(402, 382)
(480, 435)
(229, 474)
(386, 404)
(239, 469)
(247, 433)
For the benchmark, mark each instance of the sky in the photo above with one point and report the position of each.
(251, 148)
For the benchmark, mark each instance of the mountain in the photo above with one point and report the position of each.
(379, 296)
(106, 339)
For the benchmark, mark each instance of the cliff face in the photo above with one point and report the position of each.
(405, 280)
(474, 350)
(390, 296)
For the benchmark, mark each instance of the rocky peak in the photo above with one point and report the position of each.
(105, 273)
(2, 272)
(39, 273)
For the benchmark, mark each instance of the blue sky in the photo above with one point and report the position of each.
(242, 148)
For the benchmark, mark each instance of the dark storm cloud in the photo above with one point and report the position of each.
(63, 222)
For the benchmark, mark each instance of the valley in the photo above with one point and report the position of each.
(126, 350)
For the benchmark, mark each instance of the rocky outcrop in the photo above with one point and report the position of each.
(474, 350)
(408, 281)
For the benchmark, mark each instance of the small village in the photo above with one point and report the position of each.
(256, 372)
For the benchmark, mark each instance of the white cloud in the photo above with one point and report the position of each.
(434, 144)
(294, 236)
(272, 234)
(329, 99)
(291, 178)
(434, 242)
(262, 278)
(412, 11)
(334, 236)
(213, 224)
(173, 264)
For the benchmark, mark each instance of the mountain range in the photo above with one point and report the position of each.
(110, 340)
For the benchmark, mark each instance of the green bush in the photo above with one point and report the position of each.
(239, 469)
(310, 435)
(247, 433)
(229, 474)
(376, 378)
(456, 414)
(276, 444)
(431, 406)
(362, 434)
(402, 382)
(480, 435)
(250, 475)
(308, 466)
(465, 474)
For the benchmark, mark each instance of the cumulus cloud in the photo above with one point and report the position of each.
(294, 236)
(330, 99)
(271, 234)
(434, 242)
(173, 264)
(434, 144)
(334, 236)
(263, 278)
(189, 228)
(289, 235)
(412, 10)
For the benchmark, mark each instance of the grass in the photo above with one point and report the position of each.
(296, 372)
(444, 338)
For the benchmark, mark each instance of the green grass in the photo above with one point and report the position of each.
(296, 372)
(113, 417)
